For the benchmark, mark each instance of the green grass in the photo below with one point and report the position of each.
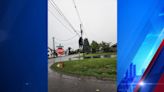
(101, 68)
(95, 54)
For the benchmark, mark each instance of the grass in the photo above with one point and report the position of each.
(101, 68)
(96, 54)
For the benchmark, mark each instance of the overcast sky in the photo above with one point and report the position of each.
(99, 19)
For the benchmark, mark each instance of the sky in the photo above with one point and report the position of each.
(99, 18)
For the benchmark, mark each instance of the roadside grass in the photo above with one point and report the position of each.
(96, 54)
(101, 68)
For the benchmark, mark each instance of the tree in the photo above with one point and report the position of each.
(114, 47)
(95, 46)
(86, 46)
(105, 47)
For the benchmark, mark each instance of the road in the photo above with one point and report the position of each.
(66, 58)
(63, 83)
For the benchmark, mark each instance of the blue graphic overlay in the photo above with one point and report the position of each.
(23, 46)
(140, 33)
(152, 78)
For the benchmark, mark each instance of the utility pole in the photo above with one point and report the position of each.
(81, 44)
(53, 38)
(82, 40)
(81, 30)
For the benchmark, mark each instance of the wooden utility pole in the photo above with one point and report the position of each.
(53, 38)
(82, 47)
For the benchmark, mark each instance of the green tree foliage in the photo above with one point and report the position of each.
(95, 46)
(114, 47)
(86, 46)
(105, 47)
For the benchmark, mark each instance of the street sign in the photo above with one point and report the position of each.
(60, 51)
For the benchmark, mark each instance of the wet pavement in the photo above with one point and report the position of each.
(62, 83)
(67, 58)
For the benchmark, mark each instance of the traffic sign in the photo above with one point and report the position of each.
(60, 51)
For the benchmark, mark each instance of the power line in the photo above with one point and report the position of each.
(50, 10)
(78, 14)
(53, 5)
(64, 17)
(67, 39)
(72, 43)
(64, 26)
(59, 20)
(50, 48)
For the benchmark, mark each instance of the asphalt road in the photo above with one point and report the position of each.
(63, 83)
